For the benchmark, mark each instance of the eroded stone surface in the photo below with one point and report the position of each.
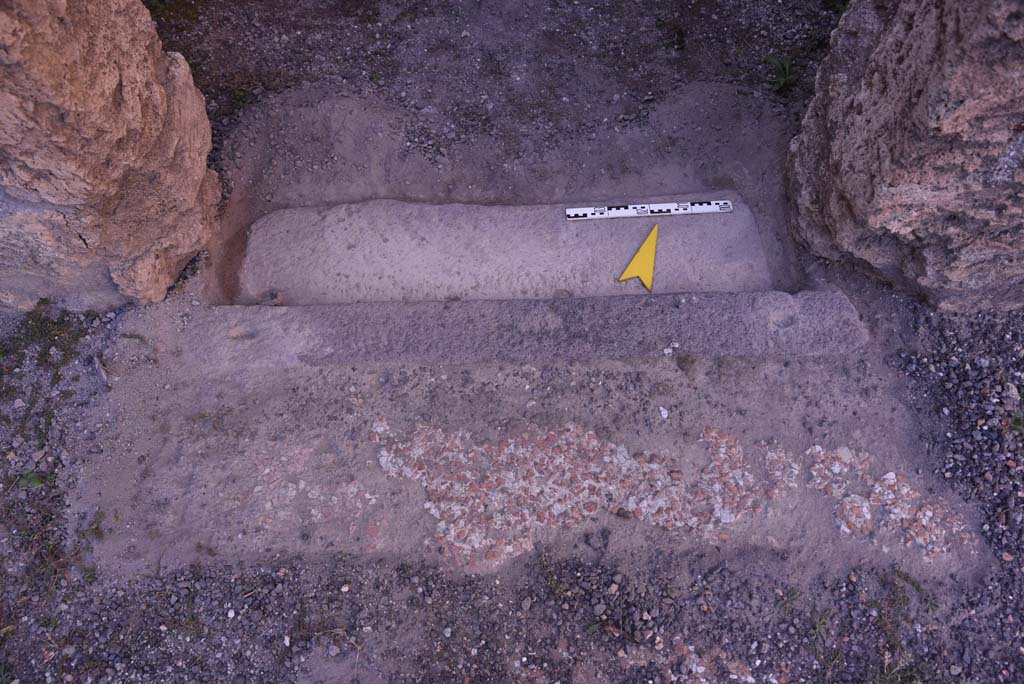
(910, 156)
(104, 190)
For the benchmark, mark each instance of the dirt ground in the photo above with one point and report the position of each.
(817, 481)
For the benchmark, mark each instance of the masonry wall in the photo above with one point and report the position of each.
(911, 156)
(104, 190)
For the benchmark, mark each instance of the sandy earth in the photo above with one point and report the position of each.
(724, 481)
(249, 435)
(354, 149)
(477, 462)
(383, 250)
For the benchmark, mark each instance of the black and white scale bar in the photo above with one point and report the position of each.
(635, 210)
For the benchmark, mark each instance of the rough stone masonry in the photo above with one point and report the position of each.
(104, 190)
(911, 154)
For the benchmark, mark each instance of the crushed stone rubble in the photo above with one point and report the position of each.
(281, 482)
(491, 498)
(891, 500)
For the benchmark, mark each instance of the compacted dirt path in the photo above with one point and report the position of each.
(456, 469)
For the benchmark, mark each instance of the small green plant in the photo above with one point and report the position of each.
(893, 673)
(783, 74)
(95, 530)
(30, 479)
(788, 601)
(89, 573)
(1017, 424)
(241, 97)
(830, 658)
(550, 579)
(675, 37)
(837, 6)
(821, 620)
(44, 329)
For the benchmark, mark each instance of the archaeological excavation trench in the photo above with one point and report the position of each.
(315, 381)
(413, 367)
(341, 217)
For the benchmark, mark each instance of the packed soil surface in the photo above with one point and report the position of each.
(429, 252)
(758, 489)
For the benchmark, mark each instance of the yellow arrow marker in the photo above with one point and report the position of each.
(642, 264)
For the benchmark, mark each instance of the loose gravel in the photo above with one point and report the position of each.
(967, 375)
(464, 70)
